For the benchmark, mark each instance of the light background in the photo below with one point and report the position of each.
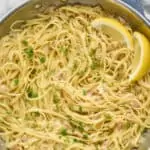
(6, 5)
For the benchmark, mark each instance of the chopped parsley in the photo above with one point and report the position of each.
(80, 109)
(75, 140)
(29, 52)
(84, 92)
(42, 59)
(92, 52)
(67, 140)
(63, 132)
(85, 136)
(32, 94)
(56, 99)
(80, 127)
(9, 112)
(108, 117)
(16, 82)
(24, 42)
(77, 125)
(128, 125)
(95, 64)
(64, 50)
(37, 114)
(74, 66)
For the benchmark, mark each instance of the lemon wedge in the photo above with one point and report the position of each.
(141, 62)
(114, 29)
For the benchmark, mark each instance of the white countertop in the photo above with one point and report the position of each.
(6, 5)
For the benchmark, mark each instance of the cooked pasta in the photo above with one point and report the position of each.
(64, 85)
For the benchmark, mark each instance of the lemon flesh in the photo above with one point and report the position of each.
(141, 62)
(114, 29)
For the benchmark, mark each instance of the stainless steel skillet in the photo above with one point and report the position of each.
(130, 10)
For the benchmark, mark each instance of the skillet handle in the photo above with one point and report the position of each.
(142, 6)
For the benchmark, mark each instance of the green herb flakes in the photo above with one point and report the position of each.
(56, 99)
(29, 52)
(37, 114)
(74, 66)
(95, 64)
(108, 117)
(80, 127)
(63, 131)
(64, 50)
(9, 112)
(92, 52)
(16, 82)
(32, 94)
(42, 60)
(75, 140)
(80, 109)
(84, 92)
(24, 42)
(85, 136)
